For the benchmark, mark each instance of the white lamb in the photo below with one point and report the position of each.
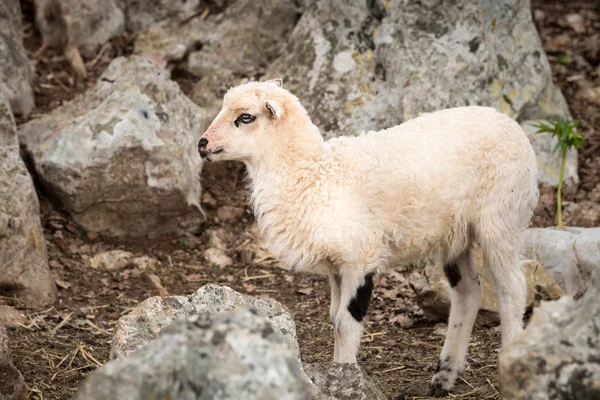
(347, 207)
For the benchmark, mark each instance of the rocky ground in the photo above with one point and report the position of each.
(57, 348)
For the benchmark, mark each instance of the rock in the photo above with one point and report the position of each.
(433, 296)
(217, 257)
(360, 67)
(16, 73)
(121, 158)
(111, 260)
(146, 321)
(549, 162)
(24, 268)
(342, 382)
(570, 255)
(232, 355)
(222, 49)
(10, 318)
(12, 384)
(145, 263)
(557, 357)
(83, 25)
(142, 14)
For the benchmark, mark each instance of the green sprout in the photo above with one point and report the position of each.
(564, 130)
(563, 59)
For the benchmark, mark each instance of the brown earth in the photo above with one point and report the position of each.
(57, 348)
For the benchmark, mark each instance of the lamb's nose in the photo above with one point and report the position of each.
(202, 144)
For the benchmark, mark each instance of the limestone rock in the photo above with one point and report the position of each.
(232, 355)
(570, 255)
(557, 356)
(217, 257)
(121, 158)
(16, 72)
(82, 24)
(146, 321)
(12, 384)
(222, 49)
(111, 260)
(142, 14)
(371, 65)
(433, 296)
(342, 382)
(23, 259)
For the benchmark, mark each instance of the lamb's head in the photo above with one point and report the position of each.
(255, 120)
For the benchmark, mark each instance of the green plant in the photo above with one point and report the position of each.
(563, 59)
(565, 131)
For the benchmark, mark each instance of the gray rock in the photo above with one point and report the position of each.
(16, 72)
(549, 162)
(342, 382)
(12, 384)
(146, 321)
(85, 24)
(23, 259)
(372, 65)
(142, 14)
(558, 355)
(570, 255)
(233, 355)
(121, 158)
(238, 43)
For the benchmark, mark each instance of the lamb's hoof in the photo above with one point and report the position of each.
(437, 391)
(401, 397)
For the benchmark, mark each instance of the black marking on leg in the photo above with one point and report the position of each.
(360, 302)
(452, 273)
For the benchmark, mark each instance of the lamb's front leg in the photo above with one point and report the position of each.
(355, 294)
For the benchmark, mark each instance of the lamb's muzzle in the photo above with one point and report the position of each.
(433, 187)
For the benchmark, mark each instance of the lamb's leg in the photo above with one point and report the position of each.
(335, 283)
(466, 294)
(356, 292)
(511, 290)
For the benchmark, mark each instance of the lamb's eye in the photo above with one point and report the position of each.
(244, 119)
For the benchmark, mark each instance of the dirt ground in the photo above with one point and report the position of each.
(58, 347)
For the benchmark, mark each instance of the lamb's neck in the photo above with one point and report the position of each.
(284, 186)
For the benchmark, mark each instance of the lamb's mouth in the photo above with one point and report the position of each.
(212, 153)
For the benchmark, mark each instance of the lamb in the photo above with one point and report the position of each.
(431, 187)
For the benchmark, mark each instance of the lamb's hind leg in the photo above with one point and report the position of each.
(466, 294)
(335, 284)
(356, 290)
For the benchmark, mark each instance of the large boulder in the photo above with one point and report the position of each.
(232, 355)
(558, 354)
(23, 259)
(432, 291)
(87, 24)
(142, 14)
(121, 158)
(374, 64)
(146, 321)
(570, 255)
(224, 48)
(16, 72)
(12, 384)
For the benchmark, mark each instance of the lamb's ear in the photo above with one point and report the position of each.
(277, 82)
(273, 108)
